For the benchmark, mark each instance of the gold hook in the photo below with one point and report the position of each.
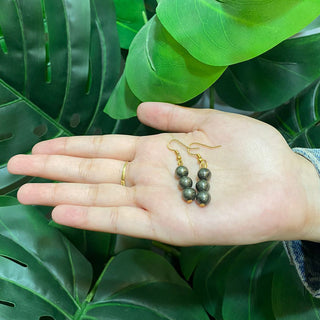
(178, 141)
(178, 155)
(202, 162)
(204, 145)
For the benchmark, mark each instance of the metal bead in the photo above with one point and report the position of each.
(203, 198)
(182, 171)
(204, 174)
(189, 194)
(185, 182)
(203, 185)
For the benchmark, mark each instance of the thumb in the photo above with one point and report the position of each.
(172, 118)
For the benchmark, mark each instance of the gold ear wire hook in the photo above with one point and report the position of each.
(202, 162)
(204, 145)
(179, 159)
(178, 141)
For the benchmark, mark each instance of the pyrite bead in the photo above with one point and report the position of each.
(189, 194)
(204, 174)
(185, 182)
(203, 198)
(181, 171)
(203, 185)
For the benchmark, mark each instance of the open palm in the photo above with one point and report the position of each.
(257, 188)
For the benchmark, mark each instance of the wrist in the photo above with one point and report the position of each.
(309, 178)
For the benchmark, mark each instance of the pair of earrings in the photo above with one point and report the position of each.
(200, 194)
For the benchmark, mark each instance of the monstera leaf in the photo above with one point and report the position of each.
(41, 273)
(249, 282)
(298, 120)
(43, 276)
(221, 33)
(274, 77)
(62, 56)
(22, 124)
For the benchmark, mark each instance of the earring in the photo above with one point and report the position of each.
(204, 174)
(185, 182)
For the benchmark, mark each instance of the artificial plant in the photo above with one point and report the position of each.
(62, 63)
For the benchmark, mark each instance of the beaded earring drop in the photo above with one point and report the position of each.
(185, 182)
(204, 174)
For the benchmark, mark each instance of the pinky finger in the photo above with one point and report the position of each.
(130, 221)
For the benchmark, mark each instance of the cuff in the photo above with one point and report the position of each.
(305, 255)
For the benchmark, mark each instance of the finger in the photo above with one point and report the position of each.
(54, 194)
(169, 117)
(68, 169)
(120, 147)
(131, 221)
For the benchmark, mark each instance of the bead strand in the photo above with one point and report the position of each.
(203, 196)
(185, 182)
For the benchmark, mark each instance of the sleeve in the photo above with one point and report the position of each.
(305, 255)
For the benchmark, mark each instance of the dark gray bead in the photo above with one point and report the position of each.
(189, 194)
(203, 198)
(203, 185)
(182, 171)
(204, 174)
(185, 182)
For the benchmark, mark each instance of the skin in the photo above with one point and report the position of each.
(261, 190)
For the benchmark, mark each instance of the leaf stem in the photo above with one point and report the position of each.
(92, 293)
(144, 16)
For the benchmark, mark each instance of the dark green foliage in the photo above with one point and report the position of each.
(249, 282)
(276, 76)
(60, 67)
(43, 274)
(298, 120)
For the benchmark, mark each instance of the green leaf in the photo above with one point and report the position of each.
(159, 69)
(131, 16)
(190, 258)
(97, 247)
(122, 103)
(22, 124)
(273, 78)
(8, 201)
(62, 56)
(226, 32)
(144, 285)
(41, 273)
(211, 275)
(298, 120)
(123, 243)
(248, 284)
(43, 276)
(290, 299)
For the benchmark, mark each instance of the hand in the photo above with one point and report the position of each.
(261, 190)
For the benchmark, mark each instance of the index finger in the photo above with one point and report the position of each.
(119, 147)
